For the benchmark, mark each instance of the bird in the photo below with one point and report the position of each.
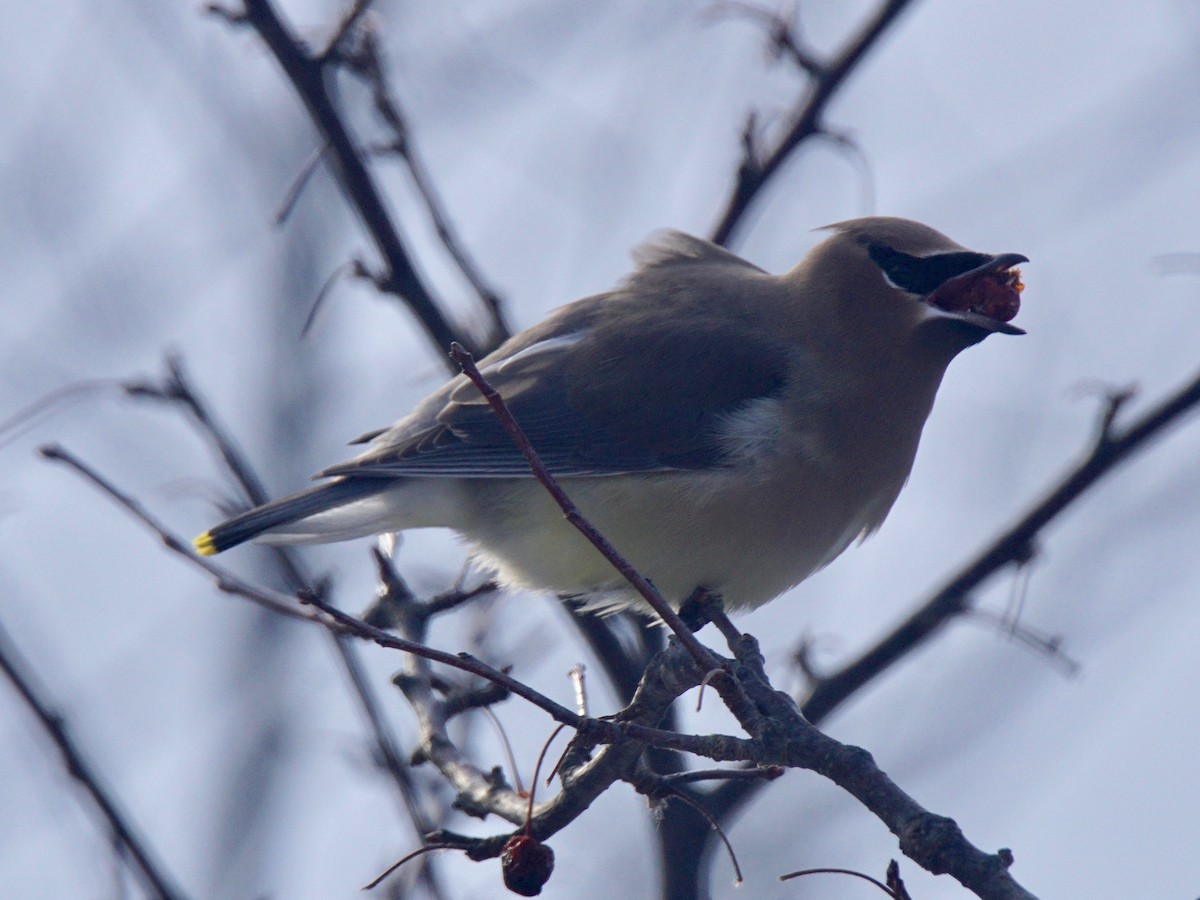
(726, 429)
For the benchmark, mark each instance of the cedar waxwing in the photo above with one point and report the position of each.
(724, 428)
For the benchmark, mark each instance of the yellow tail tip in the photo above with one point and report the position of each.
(205, 545)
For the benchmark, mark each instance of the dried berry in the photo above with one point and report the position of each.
(527, 865)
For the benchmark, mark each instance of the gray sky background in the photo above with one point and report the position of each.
(143, 153)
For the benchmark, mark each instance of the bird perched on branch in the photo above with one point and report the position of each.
(722, 427)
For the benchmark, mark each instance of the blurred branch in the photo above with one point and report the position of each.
(129, 845)
(759, 163)
(176, 389)
(349, 22)
(477, 793)
(783, 33)
(27, 417)
(389, 754)
(326, 615)
(365, 57)
(308, 75)
(1113, 446)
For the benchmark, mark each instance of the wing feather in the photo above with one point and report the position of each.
(608, 385)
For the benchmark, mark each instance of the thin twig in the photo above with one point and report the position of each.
(576, 674)
(783, 33)
(662, 790)
(896, 884)
(226, 581)
(649, 593)
(1048, 645)
(420, 851)
(25, 418)
(354, 267)
(829, 871)
(462, 661)
(177, 388)
(299, 183)
(441, 603)
(758, 773)
(349, 21)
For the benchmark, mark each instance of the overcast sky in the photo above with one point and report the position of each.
(144, 152)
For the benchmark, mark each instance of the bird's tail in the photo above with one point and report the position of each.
(269, 521)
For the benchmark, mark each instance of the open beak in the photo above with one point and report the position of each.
(987, 296)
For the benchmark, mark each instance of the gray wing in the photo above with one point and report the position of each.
(611, 384)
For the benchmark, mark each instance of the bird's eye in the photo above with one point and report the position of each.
(923, 274)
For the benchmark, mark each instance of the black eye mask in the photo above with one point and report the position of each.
(923, 274)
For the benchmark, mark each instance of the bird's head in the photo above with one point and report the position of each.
(909, 272)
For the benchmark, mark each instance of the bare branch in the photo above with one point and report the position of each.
(785, 739)
(658, 790)
(333, 618)
(576, 673)
(1047, 645)
(1115, 399)
(779, 735)
(27, 417)
(177, 389)
(463, 661)
(1014, 546)
(349, 22)
(420, 851)
(292, 197)
(896, 884)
